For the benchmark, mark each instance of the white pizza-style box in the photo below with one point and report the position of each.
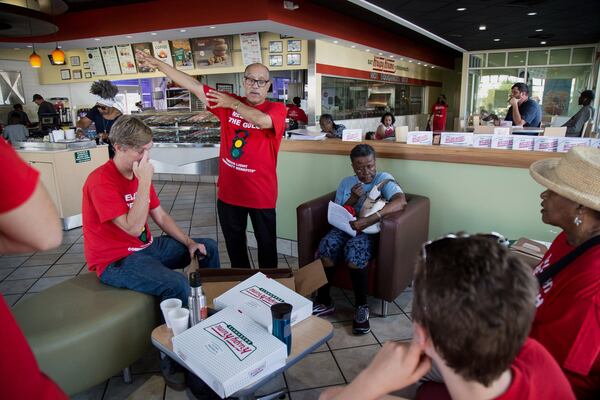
(565, 143)
(502, 142)
(230, 351)
(482, 140)
(255, 296)
(456, 139)
(419, 137)
(595, 143)
(545, 143)
(523, 142)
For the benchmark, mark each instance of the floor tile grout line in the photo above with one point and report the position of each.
(338, 365)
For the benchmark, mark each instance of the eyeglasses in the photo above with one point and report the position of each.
(495, 236)
(101, 107)
(259, 82)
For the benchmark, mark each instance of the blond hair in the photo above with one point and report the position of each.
(130, 132)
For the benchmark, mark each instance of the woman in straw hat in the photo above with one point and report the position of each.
(567, 321)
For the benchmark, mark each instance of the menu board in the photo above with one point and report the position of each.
(95, 60)
(146, 48)
(162, 51)
(250, 43)
(182, 54)
(111, 60)
(126, 59)
(212, 51)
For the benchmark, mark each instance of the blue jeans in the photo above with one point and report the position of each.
(151, 270)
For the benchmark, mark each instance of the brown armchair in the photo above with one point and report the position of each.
(402, 234)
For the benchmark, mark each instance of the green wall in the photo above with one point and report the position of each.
(472, 198)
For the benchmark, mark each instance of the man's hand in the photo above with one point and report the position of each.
(513, 101)
(220, 99)
(357, 190)
(143, 170)
(146, 59)
(193, 246)
(360, 224)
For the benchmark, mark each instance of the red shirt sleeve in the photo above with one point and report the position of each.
(18, 180)
(278, 113)
(21, 377)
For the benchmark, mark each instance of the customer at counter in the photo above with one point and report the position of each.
(356, 252)
(523, 111)
(568, 303)
(585, 114)
(331, 129)
(15, 131)
(386, 127)
(23, 117)
(473, 304)
(44, 107)
(251, 131)
(23, 200)
(104, 114)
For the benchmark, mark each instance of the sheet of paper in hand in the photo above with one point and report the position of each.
(340, 218)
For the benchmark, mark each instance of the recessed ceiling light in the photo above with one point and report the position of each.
(424, 65)
(539, 30)
(335, 41)
(461, 9)
(543, 42)
(183, 30)
(401, 59)
(353, 46)
(153, 33)
(128, 36)
(212, 27)
(380, 54)
(496, 40)
(410, 61)
(97, 39)
(58, 46)
(367, 50)
(432, 67)
(29, 46)
(391, 56)
(531, 14)
(418, 63)
(482, 27)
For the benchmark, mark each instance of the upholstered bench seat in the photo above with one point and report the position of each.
(82, 332)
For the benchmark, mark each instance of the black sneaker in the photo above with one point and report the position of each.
(360, 325)
(172, 373)
(320, 310)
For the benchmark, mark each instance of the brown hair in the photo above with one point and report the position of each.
(130, 132)
(477, 302)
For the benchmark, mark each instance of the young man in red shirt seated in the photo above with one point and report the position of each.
(118, 198)
(472, 310)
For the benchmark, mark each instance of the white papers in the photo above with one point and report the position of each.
(340, 218)
(310, 136)
(352, 135)
(250, 44)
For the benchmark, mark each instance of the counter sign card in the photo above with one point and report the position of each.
(111, 60)
(212, 51)
(162, 51)
(146, 48)
(182, 53)
(126, 59)
(95, 60)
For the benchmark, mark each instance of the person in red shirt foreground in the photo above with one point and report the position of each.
(251, 131)
(118, 198)
(567, 321)
(472, 310)
(24, 199)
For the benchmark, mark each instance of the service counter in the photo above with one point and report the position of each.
(471, 189)
(64, 167)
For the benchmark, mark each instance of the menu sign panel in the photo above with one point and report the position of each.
(146, 48)
(250, 43)
(95, 60)
(212, 51)
(162, 51)
(111, 61)
(126, 59)
(182, 54)
(383, 64)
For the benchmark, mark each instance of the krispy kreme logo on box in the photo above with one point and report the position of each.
(239, 344)
(262, 295)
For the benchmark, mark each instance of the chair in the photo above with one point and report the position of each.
(402, 235)
(83, 332)
(586, 132)
(555, 131)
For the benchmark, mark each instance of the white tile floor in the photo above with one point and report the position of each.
(193, 207)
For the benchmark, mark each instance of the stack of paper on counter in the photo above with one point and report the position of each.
(255, 296)
(230, 351)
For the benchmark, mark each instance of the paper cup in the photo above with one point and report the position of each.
(169, 305)
(180, 320)
(70, 134)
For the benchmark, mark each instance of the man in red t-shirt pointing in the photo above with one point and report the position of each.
(251, 132)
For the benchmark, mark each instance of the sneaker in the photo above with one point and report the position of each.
(321, 310)
(172, 373)
(360, 325)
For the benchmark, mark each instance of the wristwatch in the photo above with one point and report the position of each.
(236, 105)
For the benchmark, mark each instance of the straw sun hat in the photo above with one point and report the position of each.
(576, 176)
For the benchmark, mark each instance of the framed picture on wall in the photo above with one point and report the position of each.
(275, 61)
(88, 75)
(276, 46)
(293, 59)
(65, 74)
(224, 87)
(294, 45)
(86, 65)
(75, 61)
(76, 74)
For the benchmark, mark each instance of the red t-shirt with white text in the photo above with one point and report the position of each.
(107, 194)
(567, 321)
(296, 113)
(248, 156)
(17, 179)
(439, 116)
(535, 376)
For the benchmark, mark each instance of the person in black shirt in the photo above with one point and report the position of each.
(45, 107)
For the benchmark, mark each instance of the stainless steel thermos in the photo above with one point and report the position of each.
(197, 300)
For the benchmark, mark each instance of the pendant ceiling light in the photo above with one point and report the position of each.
(58, 56)
(35, 60)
